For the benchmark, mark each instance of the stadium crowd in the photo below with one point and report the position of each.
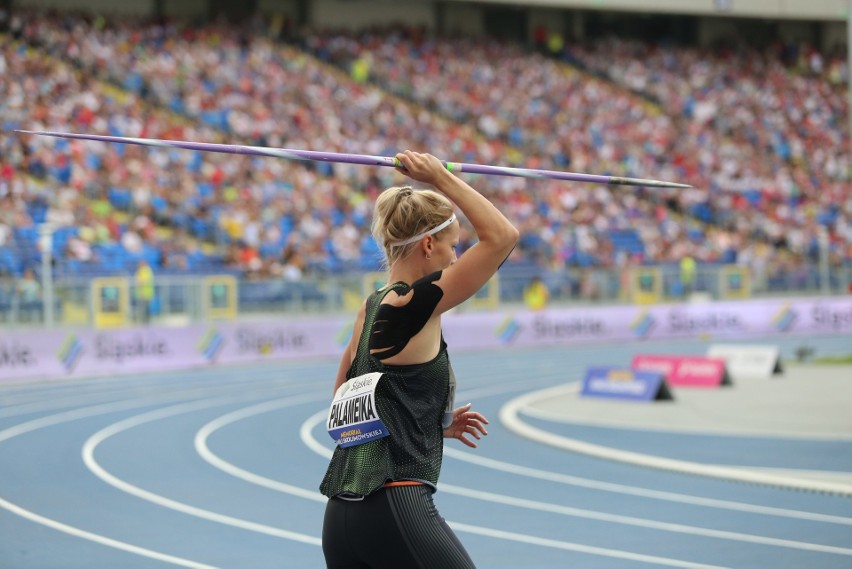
(766, 144)
(785, 111)
(765, 182)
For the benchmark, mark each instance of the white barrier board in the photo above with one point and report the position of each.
(62, 353)
(745, 361)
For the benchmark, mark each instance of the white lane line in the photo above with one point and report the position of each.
(61, 403)
(67, 388)
(306, 433)
(82, 413)
(510, 417)
(126, 404)
(92, 443)
(204, 451)
(73, 401)
(641, 522)
(114, 543)
(64, 389)
(719, 431)
(567, 479)
(210, 428)
(68, 416)
(53, 398)
(578, 547)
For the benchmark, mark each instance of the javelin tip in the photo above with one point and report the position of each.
(619, 181)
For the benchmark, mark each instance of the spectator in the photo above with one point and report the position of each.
(687, 275)
(144, 291)
(536, 294)
(28, 288)
(742, 196)
(294, 265)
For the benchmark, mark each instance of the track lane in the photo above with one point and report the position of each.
(536, 480)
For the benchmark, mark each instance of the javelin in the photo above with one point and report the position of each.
(364, 159)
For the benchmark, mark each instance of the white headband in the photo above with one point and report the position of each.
(417, 238)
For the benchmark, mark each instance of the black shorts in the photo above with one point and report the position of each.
(393, 528)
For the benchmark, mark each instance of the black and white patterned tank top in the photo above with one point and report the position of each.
(411, 399)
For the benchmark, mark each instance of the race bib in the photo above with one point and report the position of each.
(353, 417)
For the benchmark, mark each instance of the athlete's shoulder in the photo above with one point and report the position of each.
(427, 280)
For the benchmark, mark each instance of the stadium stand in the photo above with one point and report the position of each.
(596, 108)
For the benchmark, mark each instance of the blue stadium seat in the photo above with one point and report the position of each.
(68, 267)
(180, 220)
(120, 198)
(26, 235)
(204, 189)
(753, 197)
(371, 255)
(270, 250)
(200, 228)
(159, 204)
(703, 212)
(514, 279)
(61, 237)
(216, 119)
(627, 240)
(93, 161)
(134, 82)
(37, 210)
(695, 233)
(151, 254)
(10, 263)
(5, 303)
(583, 259)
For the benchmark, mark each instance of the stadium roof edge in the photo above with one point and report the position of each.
(827, 10)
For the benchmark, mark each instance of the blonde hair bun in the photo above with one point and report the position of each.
(402, 212)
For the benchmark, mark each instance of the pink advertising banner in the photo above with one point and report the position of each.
(684, 371)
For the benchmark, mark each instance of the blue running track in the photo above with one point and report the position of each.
(220, 468)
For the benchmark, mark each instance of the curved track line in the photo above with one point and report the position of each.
(311, 423)
(211, 427)
(72, 401)
(561, 478)
(555, 417)
(207, 430)
(613, 487)
(204, 451)
(510, 417)
(82, 413)
(60, 403)
(68, 416)
(133, 402)
(114, 543)
(105, 433)
(102, 435)
(642, 522)
(578, 547)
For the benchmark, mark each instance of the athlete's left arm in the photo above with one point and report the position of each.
(466, 422)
